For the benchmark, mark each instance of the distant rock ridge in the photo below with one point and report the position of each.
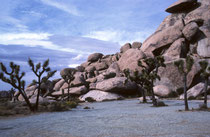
(185, 32)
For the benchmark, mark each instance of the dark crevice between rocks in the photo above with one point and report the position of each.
(197, 79)
(198, 36)
(161, 50)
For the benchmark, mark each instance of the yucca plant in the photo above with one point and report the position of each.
(39, 70)
(205, 73)
(147, 76)
(154, 64)
(139, 78)
(184, 68)
(14, 78)
(68, 78)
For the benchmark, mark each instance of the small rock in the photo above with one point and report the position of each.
(125, 47)
(94, 57)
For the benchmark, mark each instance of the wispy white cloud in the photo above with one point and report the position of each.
(16, 24)
(119, 36)
(73, 65)
(78, 57)
(35, 14)
(34, 40)
(69, 8)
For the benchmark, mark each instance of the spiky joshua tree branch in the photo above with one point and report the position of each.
(39, 70)
(14, 78)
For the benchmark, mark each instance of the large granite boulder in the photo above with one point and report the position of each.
(117, 84)
(90, 68)
(171, 77)
(98, 95)
(85, 64)
(171, 20)
(200, 15)
(80, 68)
(74, 90)
(163, 91)
(129, 59)
(59, 84)
(203, 47)
(41, 100)
(195, 91)
(136, 45)
(114, 68)
(190, 30)
(107, 59)
(78, 79)
(94, 57)
(100, 65)
(125, 47)
(162, 38)
(178, 49)
(181, 6)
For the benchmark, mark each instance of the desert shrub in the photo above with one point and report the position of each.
(89, 99)
(71, 104)
(62, 106)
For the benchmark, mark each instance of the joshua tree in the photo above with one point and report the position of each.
(39, 70)
(184, 68)
(152, 73)
(205, 73)
(15, 80)
(147, 76)
(139, 78)
(69, 77)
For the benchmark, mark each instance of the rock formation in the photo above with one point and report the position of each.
(185, 32)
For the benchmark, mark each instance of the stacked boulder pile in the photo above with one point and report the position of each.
(186, 31)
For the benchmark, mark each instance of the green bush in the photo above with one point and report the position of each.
(89, 99)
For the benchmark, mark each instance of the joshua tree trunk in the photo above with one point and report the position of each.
(27, 100)
(205, 92)
(154, 101)
(144, 96)
(62, 94)
(39, 90)
(185, 92)
(68, 91)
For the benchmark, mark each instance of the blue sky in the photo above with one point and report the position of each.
(67, 31)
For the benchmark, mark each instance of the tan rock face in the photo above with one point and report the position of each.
(100, 65)
(59, 84)
(78, 79)
(99, 96)
(194, 92)
(114, 68)
(94, 57)
(125, 47)
(178, 49)
(129, 59)
(162, 38)
(118, 85)
(136, 45)
(199, 15)
(181, 6)
(203, 48)
(75, 90)
(90, 68)
(162, 91)
(171, 20)
(190, 30)
(170, 76)
(66, 71)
